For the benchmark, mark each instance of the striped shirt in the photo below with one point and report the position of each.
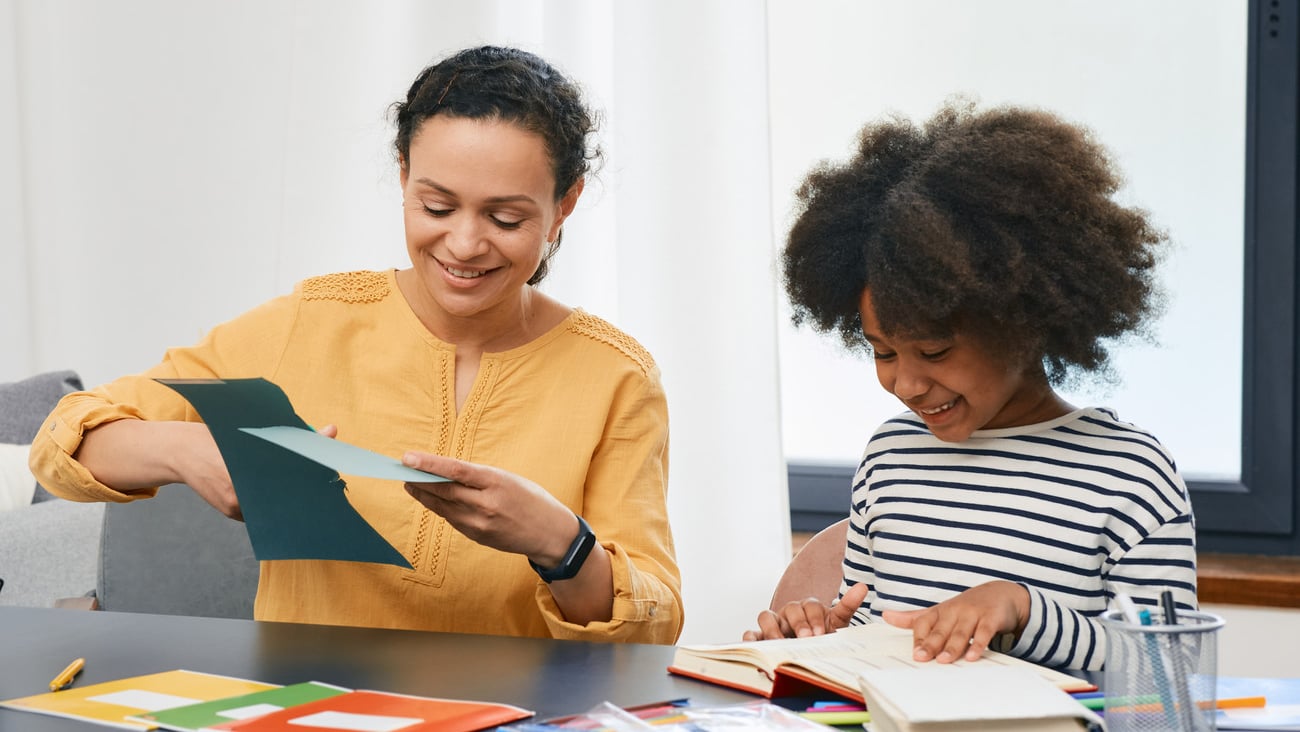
(1076, 509)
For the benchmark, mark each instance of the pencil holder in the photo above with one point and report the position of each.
(1161, 677)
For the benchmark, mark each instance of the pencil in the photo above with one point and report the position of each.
(66, 676)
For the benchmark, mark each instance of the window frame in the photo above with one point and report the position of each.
(1260, 512)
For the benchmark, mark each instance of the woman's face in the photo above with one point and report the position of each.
(955, 385)
(480, 206)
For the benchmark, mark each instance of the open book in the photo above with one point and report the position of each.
(789, 667)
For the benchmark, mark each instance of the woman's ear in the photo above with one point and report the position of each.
(403, 171)
(567, 204)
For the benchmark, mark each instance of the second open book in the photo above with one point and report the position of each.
(789, 667)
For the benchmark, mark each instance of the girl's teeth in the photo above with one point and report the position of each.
(940, 408)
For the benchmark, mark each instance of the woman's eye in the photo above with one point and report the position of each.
(438, 212)
(506, 223)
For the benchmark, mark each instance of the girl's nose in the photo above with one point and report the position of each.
(910, 382)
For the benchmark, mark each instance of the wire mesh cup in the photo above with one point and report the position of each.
(1161, 677)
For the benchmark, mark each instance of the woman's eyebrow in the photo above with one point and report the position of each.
(515, 198)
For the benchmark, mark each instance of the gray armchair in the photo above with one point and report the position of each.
(172, 554)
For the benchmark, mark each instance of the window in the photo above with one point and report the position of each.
(1238, 417)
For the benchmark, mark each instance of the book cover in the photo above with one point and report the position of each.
(937, 697)
(377, 711)
(205, 715)
(832, 662)
(113, 701)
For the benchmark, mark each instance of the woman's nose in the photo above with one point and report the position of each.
(465, 237)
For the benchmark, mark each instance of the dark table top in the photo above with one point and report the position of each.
(549, 677)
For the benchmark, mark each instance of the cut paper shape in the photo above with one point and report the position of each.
(345, 458)
(379, 711)
(293, 507)
(115, 702)
(205, 715)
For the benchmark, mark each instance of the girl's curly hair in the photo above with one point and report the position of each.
(999, 224)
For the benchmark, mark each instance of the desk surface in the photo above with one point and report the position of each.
(547, 676)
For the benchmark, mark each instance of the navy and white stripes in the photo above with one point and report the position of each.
(1076, 509)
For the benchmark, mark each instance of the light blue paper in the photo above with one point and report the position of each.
(341, 456)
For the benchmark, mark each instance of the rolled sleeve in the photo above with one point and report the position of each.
(52, 458)
(645, 609)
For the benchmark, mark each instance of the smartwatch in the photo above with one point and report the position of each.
(573, 558)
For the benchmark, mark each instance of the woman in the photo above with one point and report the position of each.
(551, 422)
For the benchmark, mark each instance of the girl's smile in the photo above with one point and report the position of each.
(955, 385)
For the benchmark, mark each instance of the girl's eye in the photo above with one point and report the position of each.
(880, 355)
(932, 355)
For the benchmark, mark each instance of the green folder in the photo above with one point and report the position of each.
(294, 507)
(198, 717)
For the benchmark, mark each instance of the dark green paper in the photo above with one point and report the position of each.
(294, 508)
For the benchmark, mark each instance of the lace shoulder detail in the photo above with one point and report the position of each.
(602, 331)
(352, 287)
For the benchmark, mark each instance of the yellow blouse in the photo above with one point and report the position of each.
(579, 410)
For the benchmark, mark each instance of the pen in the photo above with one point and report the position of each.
(66, 676)
(1171, 612)
(1127, 608)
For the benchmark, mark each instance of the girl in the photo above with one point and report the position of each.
(980, 260)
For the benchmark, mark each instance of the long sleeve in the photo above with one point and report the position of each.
(1075, 510)
(625, 502)
(1059, 635)
(241, 347)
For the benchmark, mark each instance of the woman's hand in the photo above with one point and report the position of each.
(963, 626)
(505, 511)
(495, 508)
(802, 618)
(130, 455)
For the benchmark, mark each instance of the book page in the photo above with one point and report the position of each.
(856, 640)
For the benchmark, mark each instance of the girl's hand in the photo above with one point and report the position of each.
(963, 626)
(802, 618)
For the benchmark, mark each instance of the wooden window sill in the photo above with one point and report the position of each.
(1242, 579)
(1229, 579)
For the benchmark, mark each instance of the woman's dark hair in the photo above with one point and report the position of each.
(510, 85)
(1001, 225)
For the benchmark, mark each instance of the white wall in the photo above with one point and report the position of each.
(15, 328)
(1161, 83)
(1258, 641)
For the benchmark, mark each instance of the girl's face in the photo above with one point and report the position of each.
(955, 385)
(480, 206)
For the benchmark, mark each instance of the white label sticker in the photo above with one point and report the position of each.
(149, 701)
(356, 722)
(252, 710)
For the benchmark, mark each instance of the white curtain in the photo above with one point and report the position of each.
(168, 165)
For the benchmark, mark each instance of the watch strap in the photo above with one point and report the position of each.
(574, 558)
